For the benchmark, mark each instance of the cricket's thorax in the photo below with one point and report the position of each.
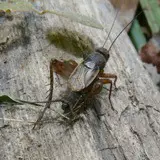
(95, 61)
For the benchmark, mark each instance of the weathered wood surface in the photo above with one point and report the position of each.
(133, 131)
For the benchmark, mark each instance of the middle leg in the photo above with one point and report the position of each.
(109, 75)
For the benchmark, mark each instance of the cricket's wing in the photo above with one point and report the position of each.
(82, 77)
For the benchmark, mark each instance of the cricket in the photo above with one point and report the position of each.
(85, 80)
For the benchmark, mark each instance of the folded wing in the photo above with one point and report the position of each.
(82, 77)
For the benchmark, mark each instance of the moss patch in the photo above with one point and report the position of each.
(70, 41)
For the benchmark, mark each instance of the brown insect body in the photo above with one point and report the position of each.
(89, 72)
(65, 69)
(78, 101)
(84, 80)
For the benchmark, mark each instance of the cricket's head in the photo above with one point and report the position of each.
(104, 52)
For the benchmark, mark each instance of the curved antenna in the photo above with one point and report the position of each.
(124, 29)
(111, 27)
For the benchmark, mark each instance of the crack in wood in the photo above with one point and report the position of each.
(118, 146)
(151, 124)
(149, 106)
(122, 151)
(124, 112)
(141, 142)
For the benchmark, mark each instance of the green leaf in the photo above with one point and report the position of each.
(16, 6)
(76, 17)
(22, 6)
(4, 99)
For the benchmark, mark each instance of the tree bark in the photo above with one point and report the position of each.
(129, 133)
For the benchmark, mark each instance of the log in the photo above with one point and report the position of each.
(131, 132)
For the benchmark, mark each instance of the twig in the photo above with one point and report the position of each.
(15, 120)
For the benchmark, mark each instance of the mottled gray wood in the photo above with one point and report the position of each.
(132, 131)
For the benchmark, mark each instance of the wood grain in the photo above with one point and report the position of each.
(132, 132)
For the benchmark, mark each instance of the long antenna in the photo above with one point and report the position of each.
(111, 27)
(124, 29)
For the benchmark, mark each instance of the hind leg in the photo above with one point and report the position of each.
(63, 68)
